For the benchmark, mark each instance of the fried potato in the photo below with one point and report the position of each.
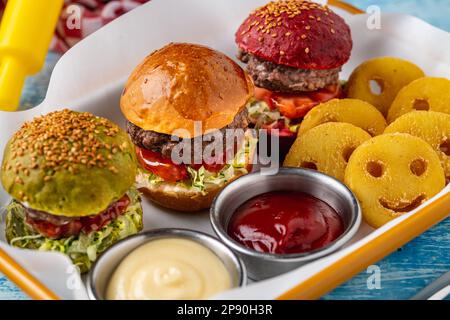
(354, 111)
(389, 73)
(392, 174)
(426, 94)
(433, 127)
(326, 148)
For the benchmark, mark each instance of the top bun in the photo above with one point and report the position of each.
(68, 163)
(182, 83)
(296, 33)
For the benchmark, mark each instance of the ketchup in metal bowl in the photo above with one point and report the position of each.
(285, 222)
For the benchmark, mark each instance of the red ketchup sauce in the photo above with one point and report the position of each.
(285, 222)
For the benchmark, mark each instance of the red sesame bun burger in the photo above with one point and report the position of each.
(294, 51)
(180, 94)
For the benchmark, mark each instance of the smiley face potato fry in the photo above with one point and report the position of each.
(392, 174)
(391, 74)
(326, 148)
(427, 94)
(433, 127)
(357, 112)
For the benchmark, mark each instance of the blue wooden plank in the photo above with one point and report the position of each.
(406, 271)
(8, 291)
(435, 12)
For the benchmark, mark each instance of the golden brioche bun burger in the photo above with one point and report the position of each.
(181, 97)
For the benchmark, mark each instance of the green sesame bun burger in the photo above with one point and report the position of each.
(71, 176)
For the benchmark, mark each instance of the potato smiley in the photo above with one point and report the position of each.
(433, 127)
(387, 74)
(326, 148)
(427, 94)
(357, 112)
(392, 174)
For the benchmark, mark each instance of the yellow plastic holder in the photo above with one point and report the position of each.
(26, 30)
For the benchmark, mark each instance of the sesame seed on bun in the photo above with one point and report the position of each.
(296, 33)
(68, 163)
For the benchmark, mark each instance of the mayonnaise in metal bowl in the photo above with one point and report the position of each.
(165, 264)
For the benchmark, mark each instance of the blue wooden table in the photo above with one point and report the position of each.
(404, 272)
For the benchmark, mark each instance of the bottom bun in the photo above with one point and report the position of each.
(180, 198)
(173, 197)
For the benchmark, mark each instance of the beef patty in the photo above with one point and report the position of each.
(163, 144)
(281, 78)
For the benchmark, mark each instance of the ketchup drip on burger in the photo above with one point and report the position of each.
(294, 51)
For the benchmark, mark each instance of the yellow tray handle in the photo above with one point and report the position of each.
(24, 280)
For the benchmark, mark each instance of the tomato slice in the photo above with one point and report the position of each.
(171, 172)
(162, 167)
(54, 231)
(56, 227)
(211, 167)
(218, 162)
(265, 95)
(94, 223)
(295, 106)
(328, 93)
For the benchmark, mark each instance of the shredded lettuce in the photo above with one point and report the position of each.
(197, 177)
(201, 179)
(261, 115)
(82, 249)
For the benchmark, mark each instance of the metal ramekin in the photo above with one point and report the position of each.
(265, 265)
(108, 262)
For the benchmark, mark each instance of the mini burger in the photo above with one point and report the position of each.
(294, 51)
(186, 98)
(71, 176)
